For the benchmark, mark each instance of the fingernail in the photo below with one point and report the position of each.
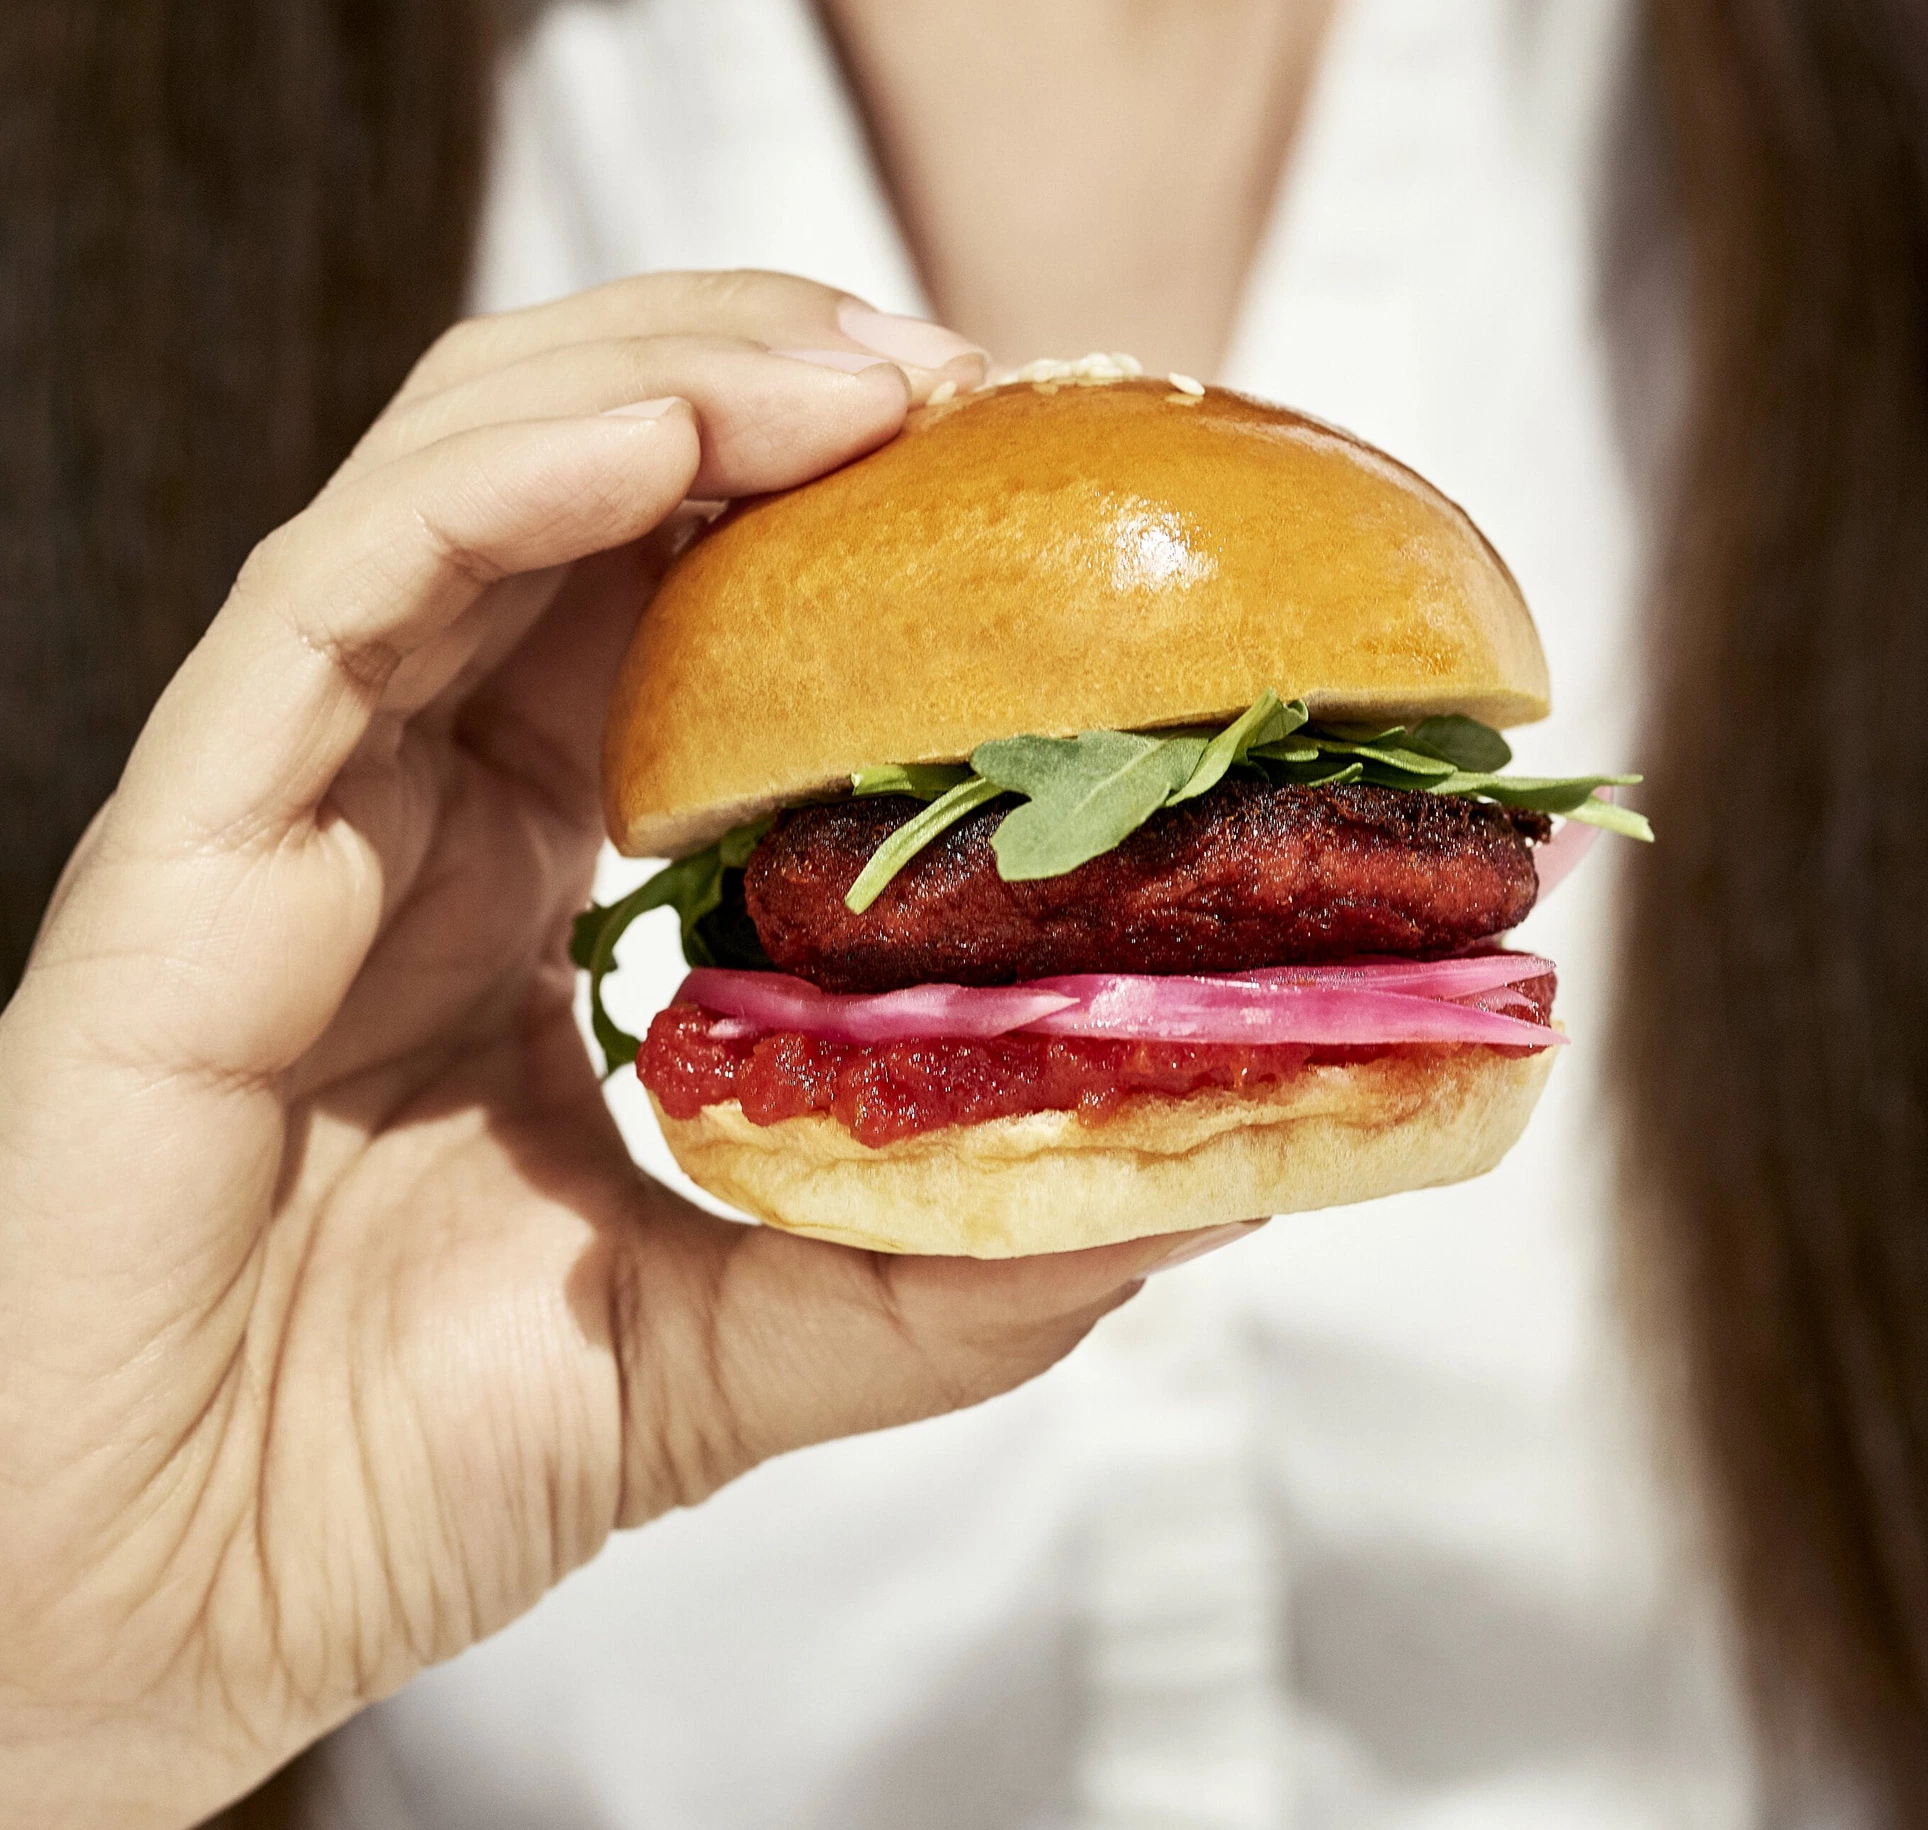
(851, 361)
(1196, 1245)
(647, 409)
(917, 341)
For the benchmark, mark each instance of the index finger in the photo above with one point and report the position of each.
(776, 310)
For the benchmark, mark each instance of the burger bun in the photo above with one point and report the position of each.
(1058, 1182)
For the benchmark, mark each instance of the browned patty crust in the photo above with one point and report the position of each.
(1248, 875)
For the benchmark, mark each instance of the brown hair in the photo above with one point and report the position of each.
(229, 227)
(1775, 1030)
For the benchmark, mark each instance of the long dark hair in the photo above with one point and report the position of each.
(228, 227)
(1775, 1032)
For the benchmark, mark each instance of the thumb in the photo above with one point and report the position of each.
(802, 1341)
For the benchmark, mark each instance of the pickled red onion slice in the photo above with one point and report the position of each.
(1122, 1005)
(774, 1000)
(1360, 1003)
(1461, 977)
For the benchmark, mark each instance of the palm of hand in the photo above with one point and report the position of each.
(403, 1375)
(433, 1284)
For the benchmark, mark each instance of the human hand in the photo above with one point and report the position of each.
(338, 1325)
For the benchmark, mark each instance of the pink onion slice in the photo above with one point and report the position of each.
(1460, 977)
(1355, 1003)
(774, 1000)
(1125, 1005)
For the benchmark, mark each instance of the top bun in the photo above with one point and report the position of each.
(1053, 558)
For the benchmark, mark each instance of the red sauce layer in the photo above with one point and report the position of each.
(883, 1091)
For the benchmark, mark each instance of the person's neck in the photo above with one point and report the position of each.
(1080, 174)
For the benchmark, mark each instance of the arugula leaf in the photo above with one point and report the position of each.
(1344, 731)
(1571, 797)
(1265, 722)
(1312, 769)
(734, 848)
(1595, 812)
(1539, 794)
(726, 936)
(1449, 754)
(1381, 750)
(693, 887)
(1463, 742)
(927, 781)
(1290, 750)
(1085, 794)
(910, 838)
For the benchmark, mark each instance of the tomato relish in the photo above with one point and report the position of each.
(879, 1092)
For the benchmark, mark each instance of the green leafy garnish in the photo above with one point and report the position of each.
(1312, 770)
(1084, 794)
(693, 887)
(1614, 818)
(926, 781)
(1266, 721)
(1571, 797)
(1463, 742)
(1388, 751)
(911, 838)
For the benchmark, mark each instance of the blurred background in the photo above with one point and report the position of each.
(1591, 1494)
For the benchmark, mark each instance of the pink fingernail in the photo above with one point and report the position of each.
(647, 409)
(917, 341)
(850, 361)
(1200, 1243)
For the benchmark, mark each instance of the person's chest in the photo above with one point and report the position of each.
(1083, 174)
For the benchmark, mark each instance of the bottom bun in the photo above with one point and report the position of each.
(1055, 1182)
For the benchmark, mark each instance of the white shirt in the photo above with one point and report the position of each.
(1352, 1524)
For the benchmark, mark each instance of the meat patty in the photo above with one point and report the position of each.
(1247, 875)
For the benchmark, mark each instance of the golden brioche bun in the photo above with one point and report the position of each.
(1051, 1182)
(1052, 558)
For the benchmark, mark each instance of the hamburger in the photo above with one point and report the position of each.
(1088, 817)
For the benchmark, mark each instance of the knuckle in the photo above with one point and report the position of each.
(266, 565)
(449, 354)
(786, 291)
(734, 285)
(269, 579)
(457, 554)
(740, 295)
(675, 303)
